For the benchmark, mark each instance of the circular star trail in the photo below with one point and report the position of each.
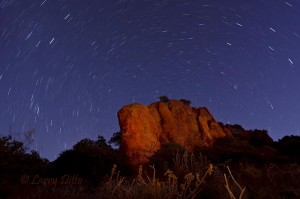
(68, 66)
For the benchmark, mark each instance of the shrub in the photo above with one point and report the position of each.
(90, 159)
(164, 99)
(163, 158)
(187, 102)
(260, 138)
(289, 145)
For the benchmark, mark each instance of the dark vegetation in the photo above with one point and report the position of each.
(187, 102)
(248, 165)
(164, 99)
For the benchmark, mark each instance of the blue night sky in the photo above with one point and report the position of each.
(68, 66)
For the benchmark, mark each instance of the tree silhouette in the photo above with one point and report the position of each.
(90, 159)
(100, 141)
(115, 139)
(11, 146)
(289, 145)
(260, 138)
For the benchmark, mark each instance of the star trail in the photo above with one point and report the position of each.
(68, 66)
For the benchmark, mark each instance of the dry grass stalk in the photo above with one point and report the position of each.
(231, 195)
(149, 186)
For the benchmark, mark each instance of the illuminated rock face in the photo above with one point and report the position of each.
(145, 128)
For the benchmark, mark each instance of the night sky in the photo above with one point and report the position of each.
(68, 66)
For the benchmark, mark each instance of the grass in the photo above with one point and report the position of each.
(170, 186)
(187, 177)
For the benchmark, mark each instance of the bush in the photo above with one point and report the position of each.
(187, 102)
(89, 159)
(163, 158)
(289, 145)
(260, 138)
(164, 99)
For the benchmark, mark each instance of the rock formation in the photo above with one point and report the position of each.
(144, 129)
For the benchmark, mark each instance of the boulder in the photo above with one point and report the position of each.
(144, 129)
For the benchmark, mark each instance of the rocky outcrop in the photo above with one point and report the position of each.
(144, 129)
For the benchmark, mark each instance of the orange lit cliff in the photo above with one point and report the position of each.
(144, 129)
